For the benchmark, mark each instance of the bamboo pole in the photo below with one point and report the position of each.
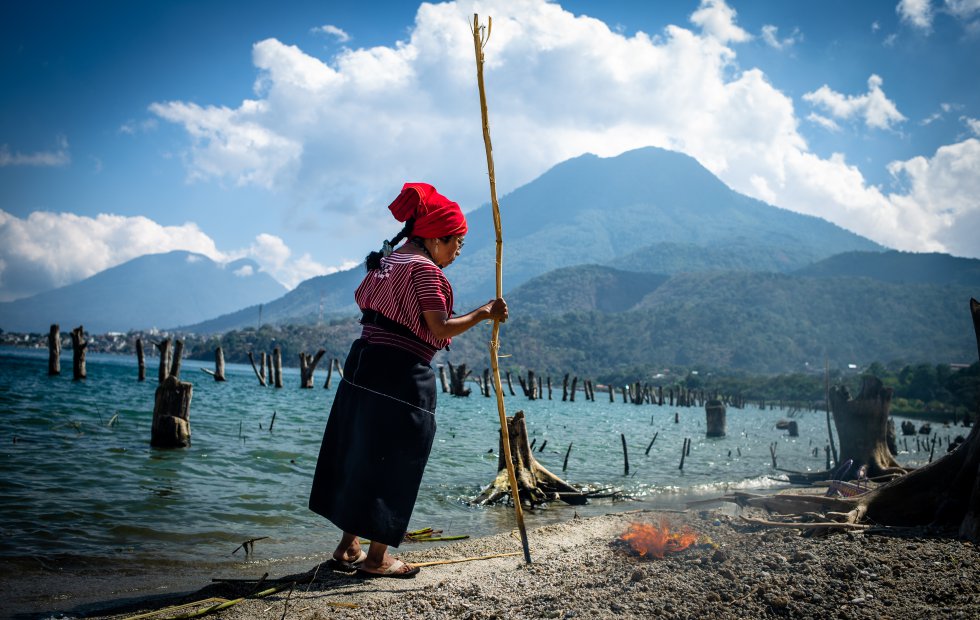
(479, 41)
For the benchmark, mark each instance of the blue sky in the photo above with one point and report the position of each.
(280, 131)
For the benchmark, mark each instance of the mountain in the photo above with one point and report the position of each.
(618, 211)
(583, 288)
(155, 290)
(758, 322)
(899, 267)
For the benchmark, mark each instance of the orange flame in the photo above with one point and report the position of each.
(648, 539)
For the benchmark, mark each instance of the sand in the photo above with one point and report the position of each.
(582, 569)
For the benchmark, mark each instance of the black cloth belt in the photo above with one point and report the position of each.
(373, 317)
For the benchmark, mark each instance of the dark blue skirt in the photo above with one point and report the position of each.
(376, 443)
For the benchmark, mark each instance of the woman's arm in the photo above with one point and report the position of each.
(443, 327)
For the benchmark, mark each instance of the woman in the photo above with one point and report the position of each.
(382, 422)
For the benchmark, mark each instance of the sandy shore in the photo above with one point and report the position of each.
(582, 569)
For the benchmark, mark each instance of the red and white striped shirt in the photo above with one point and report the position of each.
(403, 288)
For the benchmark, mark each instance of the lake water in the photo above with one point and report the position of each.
(78, 479)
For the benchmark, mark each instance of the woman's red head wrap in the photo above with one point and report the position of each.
(435, 215)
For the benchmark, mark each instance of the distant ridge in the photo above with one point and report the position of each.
(151, 291)
(590, 210)
(900, 267)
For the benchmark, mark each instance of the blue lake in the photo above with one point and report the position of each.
(78, 479)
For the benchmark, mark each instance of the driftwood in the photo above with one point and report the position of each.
(536, 485)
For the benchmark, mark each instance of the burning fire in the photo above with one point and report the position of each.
(649, 539)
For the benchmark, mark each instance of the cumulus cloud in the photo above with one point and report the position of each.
(58, 157)
(717, 20)
(921, 14)
(943, 190)
(973, 124)
(873, 107)
(917, 13)
(333, 31)
(770, 34)
(46, 250)
(341, 134)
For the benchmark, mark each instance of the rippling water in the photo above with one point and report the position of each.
(78, 478)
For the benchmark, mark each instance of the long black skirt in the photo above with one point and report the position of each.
(376, 443)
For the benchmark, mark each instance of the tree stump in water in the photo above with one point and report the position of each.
(172, 407)
(171, 414)
(307, 364)
(714, 411)
(140, 361)
(54, 350)
(277, 366)
(862, 428)
(78, 346)
(164, 348)
(536, 485)
(260, 375)
(457, 378)
(219, 364)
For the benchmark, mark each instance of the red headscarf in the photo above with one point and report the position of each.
(435, 215)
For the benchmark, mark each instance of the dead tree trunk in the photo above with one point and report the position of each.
(943, 495)
(536, 485)
(457, 379)
(277, 366)
(532, 385)
(270, 375)
(171, 426)
(171, 414)
(326, 384)
(443, 379)
(219, 364)
(862, 428)
(714, 411)
(78, 346)
(486, 382)
(307, 364)
(54, 351)
(140, 361)
(258, 375)
(164, 348)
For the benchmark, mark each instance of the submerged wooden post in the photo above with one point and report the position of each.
(164, 370)
(571, 396)
(219, 364)
(54, 350)
(178, 354)
(326, 384)
(486, 382)
(277, 366)
(564, 388)
(457, 380)
(271, 376)
(78, 346)
(259, 374)
(443, 379)
(172, 406)
(532, 385)
(549, 387)
(626, 456)
(307, 364)
(715, 418)
(140, 360)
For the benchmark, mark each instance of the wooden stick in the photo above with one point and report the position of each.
(479, 41)
(626, 456)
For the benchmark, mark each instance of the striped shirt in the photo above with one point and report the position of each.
(403, 288)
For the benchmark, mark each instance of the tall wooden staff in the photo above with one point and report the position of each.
(479, 40)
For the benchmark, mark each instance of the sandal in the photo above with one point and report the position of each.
(394, 571)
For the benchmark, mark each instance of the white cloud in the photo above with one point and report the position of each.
(47, 250)
(58, 157)
(342, 134)
(770, 34)
(717, 20)
(917, 13)
(973, 124)
(333, 31)
(943, 191)
(244, 271)
(823, 121)
(873, 107)
(921, 14)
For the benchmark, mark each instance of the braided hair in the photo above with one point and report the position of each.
(373, 260)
